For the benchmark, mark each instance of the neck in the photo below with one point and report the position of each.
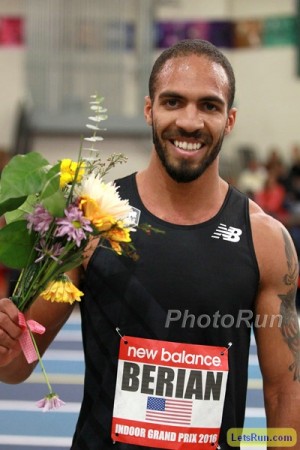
(181, 203)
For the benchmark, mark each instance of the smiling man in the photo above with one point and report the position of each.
(194, 121)
(152, 382)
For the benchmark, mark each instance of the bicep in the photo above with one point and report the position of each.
(277, 327)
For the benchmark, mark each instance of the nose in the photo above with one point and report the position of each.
(190, 119)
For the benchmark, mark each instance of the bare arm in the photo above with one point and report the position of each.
(13, 365)
(278, 341)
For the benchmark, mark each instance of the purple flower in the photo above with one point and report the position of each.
(40, 220)
(52, 252)
(73, 225)
(51, 401)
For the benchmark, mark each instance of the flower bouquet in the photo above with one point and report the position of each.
(52, 214)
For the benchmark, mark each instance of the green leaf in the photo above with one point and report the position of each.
(18, 214)
(55, 204)
(52, 179)
(22, 176)
(10, 204)
(16, 244)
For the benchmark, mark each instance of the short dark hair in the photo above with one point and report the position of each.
(198, 47)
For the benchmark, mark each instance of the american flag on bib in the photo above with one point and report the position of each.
(169, 410)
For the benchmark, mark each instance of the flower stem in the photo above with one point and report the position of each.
(41, 362)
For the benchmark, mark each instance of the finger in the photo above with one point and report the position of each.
(7, 341)
(9, 308)
(9, 320)
(8, 355)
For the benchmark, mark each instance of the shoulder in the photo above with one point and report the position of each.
(273, 245)
(263, 225)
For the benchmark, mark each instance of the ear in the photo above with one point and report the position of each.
(148, 110)
(230, 120)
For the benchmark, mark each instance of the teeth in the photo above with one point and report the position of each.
(187, 145)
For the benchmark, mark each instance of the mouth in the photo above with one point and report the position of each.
(187, 146)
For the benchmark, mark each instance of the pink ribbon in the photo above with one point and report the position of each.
(25, 338)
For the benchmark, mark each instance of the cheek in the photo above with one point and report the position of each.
(220, 127)
(164, 122)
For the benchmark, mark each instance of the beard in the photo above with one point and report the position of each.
(184, 173)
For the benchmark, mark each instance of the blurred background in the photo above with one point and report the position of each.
(55, 53)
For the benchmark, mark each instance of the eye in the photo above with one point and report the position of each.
(210, 106)
(171, 103)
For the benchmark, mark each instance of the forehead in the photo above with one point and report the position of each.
(193, 75)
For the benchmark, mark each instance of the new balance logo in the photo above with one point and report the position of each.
(227, 233)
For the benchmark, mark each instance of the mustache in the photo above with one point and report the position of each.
(173, 135)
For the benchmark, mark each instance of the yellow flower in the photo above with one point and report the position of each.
(62, 291)
(68, 170)
(91, 211)
(117, 235)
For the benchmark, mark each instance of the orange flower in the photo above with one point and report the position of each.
(117, 235)
(91, 211)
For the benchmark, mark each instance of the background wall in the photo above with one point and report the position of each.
(12, 76)
(267, 87)
(268, 90)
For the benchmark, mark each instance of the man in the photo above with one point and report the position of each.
(220, 255)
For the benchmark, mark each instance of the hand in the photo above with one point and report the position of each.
(9, 332)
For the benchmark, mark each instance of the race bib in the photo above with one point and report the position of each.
(168, 394)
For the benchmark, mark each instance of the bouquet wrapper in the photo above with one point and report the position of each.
(25, 339)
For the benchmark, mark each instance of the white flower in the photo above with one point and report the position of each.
(106, 196)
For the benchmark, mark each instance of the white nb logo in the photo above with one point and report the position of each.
(227, 234)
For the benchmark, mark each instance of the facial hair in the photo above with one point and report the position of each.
(184, 173)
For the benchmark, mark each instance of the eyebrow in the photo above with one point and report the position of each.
(170, 94)
(208, 98)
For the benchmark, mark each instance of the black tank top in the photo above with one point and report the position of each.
(208, 273)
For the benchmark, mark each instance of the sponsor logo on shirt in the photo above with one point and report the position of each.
(226, 233)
